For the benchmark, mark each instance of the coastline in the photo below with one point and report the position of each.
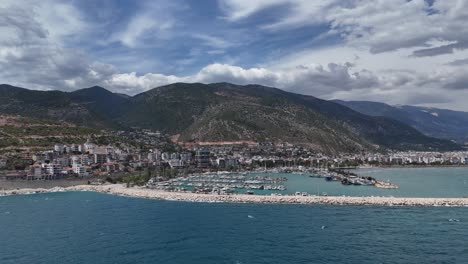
(410, 166)
(140, 192)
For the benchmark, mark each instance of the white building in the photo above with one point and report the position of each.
(165, 156)
(80, 159)
(88, 147)
(80, 170)
(176, 163)
(52, 169)
(75, 148)
(36, 171)
(59, 148)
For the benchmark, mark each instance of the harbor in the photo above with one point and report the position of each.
(263, 183)
(255, 182)
(438, 183)
(223, 183)
(293, 187)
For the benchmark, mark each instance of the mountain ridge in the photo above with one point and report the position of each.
(224, 111)
(431, 121)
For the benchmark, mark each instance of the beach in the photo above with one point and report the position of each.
(141, 192)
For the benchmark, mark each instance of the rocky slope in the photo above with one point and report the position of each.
(223, 112)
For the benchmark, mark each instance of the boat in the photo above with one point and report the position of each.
(345, 181)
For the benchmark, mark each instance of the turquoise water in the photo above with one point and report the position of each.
(97, 228)
(413, 182)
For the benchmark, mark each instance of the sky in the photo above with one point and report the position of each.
(399, 52)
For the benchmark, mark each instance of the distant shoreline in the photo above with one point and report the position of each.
(140, 192)
(410, 166)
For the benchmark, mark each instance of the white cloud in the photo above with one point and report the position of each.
(213, 41)
(31, 57)
(131, 83)
(139, 28)
(335, 81)
(154, 20)
(378, 25)
(313, 79)
(239, 9)
(380, 59)
(58, 20)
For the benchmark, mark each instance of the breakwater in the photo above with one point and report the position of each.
(139, 192)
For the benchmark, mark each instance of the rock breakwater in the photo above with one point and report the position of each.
(139, 192)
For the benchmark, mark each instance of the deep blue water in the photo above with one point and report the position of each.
(99, 228)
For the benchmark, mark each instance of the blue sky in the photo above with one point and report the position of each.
(398, 52)
(189, 36)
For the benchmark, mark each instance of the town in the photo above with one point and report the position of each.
(154, 155)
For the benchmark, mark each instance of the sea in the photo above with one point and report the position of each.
(86, 227)
(443, 182)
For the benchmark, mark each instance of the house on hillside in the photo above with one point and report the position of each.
(3, 163)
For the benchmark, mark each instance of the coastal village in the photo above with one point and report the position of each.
(162, 161)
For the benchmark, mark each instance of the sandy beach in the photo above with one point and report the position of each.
(140, 192)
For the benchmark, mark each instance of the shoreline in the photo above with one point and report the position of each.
(140, 192)
(411, 166)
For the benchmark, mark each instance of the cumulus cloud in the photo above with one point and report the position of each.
(131, 83)
(35, 60)
(335, 81)
(313, 79)
(374, 62)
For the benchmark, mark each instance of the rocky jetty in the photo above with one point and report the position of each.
(140, 192)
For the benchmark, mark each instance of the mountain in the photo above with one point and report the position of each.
(100, 100)
(223, 112)
(434, 122)
(219, 112)
(53, 105)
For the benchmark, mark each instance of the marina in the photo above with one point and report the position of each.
(438, 183)
(223, 183)
(266, 182)
(411, 182)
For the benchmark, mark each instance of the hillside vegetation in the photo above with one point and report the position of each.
(224, 112)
